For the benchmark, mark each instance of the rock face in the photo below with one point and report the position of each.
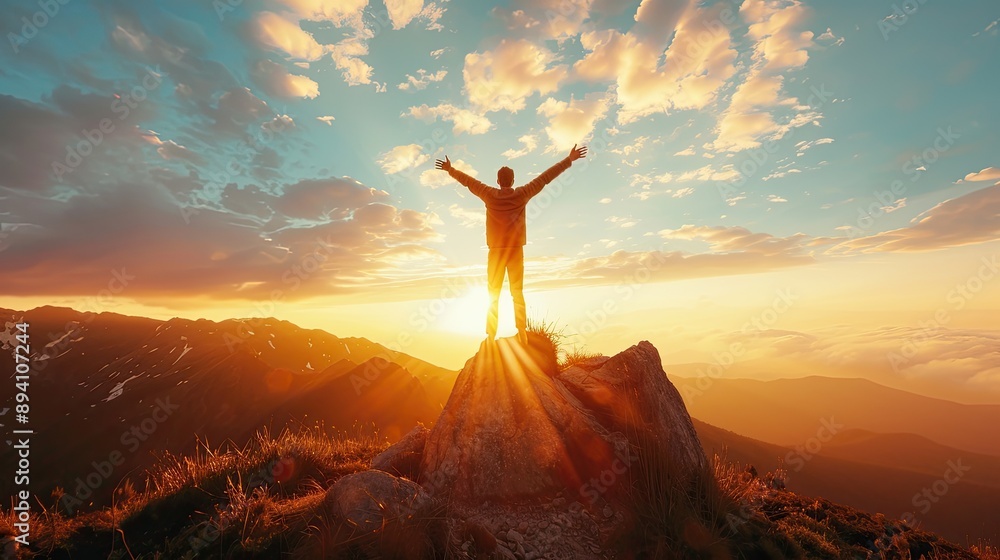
(516, 428)
(510, 431)
(631, 394)
(368, 499)
(403, 457)
(371, 514)
(528, 459)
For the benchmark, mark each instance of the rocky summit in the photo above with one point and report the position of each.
(530, 461)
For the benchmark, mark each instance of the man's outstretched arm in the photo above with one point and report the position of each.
(477, 187)
(538, 183)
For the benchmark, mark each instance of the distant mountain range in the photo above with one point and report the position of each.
(110, 389)
(790, 411)
(110, 392)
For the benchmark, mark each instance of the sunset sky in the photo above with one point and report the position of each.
(816, 181)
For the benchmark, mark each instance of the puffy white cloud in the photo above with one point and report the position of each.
(675, 57)
(328, 119)
(778, 48)
(346, 55)
(435, 178)
(276, 32)
(570, 123)
(988, 174)
(402, 12)
(773, 26)
(528, 144)
(402, 158)
(464, 120)
(338, 12)
(422, 79)
(547, 19)
(278, 82)
(502, 79)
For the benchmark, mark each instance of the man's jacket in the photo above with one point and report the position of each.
(505, 224)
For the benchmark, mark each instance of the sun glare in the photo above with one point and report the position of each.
(466, 314)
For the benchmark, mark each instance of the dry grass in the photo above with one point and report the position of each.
(259, 498)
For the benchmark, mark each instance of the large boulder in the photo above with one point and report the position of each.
(367, 500)
(511, 432)
(630, 393)
(403, 457)
(373, 514)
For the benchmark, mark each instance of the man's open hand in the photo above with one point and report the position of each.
(444, 164)
(577, 153)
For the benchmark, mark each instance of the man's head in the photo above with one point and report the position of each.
(505, 177)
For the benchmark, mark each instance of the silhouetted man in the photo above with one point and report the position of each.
(505, 231)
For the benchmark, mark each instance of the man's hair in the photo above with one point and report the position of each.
(505, 177)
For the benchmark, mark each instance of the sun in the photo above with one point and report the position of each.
(466, 314)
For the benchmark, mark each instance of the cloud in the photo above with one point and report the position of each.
(778, 47)
(830, 39)
(315, 199)
(422, 80)
(571, 123)
(327, 119)
(402, 158)
(772, 25)
(467, 218)
(528, 144)
(621, 221)
(988, 174)
(676, 56)
(345, 55)
(661, 266)
(236, 110)
(402, 12)
(464, 120)
(276, 81)
(275, 32)
(435, 178)
(546, 19)
(502, 79)
(965, 220)
(736, 239)
(172, 150)
(340, 13)
(171, 251)
(689, 151)
(991, 29)
(803, 146)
